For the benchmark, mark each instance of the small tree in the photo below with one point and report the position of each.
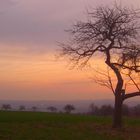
(125, 110)
(22, 108)
(106, 110)
(111, 32)
(93, 109)
(6, 107)
(68, 108)
(136, 110)
(34, 108)
(52, 108)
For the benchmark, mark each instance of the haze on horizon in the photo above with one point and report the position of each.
(29, 32)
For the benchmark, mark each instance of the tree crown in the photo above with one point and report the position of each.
(111, 31)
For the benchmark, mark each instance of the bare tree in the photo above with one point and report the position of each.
(93, 109)
(68, 108)
(6, 107)
(106, 110)
(111, 32)
(136, 110)
(22, 108)
(125, 110)
(34, 108)
(52, 108)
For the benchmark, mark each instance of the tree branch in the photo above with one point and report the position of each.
(129, 95)
(134, 82)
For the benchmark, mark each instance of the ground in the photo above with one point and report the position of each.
(53, 126)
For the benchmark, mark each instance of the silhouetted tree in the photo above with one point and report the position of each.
(111, 32)
(136, 110)
(68, 108)
(34, 108)
(52, 108)
(22, 107)
(6, 107)
(93, 109)
(106, 110)
(125, 110)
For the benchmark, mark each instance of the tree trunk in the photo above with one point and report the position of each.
(117, 118)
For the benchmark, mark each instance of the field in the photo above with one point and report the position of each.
(49, 126)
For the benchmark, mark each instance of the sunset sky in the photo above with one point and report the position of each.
(29, 32)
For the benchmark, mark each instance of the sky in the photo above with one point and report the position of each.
(29, 34)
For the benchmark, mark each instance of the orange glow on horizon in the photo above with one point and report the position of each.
(39, 75)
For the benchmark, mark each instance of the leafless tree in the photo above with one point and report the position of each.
(22, 108)
(125, 110)
(111, 32)
(34, 108)
(93, 109)
(106, 110)
(52, 108)
(6, 107)
(68, 108)
(136, 110)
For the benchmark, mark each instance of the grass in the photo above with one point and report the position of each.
(49, 126)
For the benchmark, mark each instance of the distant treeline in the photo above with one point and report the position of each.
(68, 108)
(107, 110)
(104, 110)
